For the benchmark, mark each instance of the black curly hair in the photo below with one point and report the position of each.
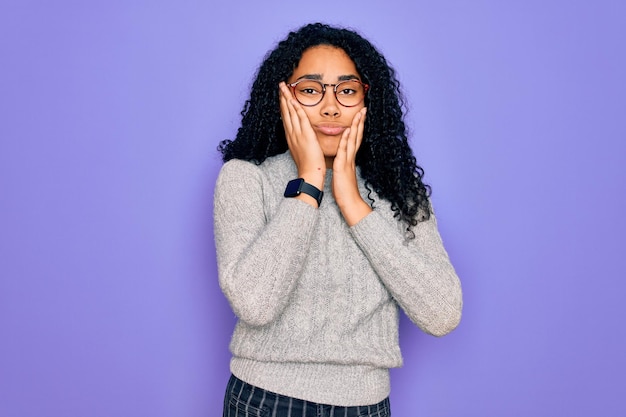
(385, 159)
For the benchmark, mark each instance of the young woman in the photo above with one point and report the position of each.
(323, 228)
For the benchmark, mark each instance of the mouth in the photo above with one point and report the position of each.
(330, 129)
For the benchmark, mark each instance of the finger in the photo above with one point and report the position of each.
(284, 110)
(287, 100)
(353, 137)
(342, 148)
(291, 112)
(301, 122)
(295, 117)
(360, 129)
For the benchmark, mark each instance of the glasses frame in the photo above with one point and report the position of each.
(366, 87)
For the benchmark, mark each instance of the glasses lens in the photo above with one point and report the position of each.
(309, 92)
(350, 93)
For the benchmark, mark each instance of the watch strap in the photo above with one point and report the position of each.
(313, 191)
(299, 186)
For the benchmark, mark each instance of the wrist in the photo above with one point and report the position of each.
(315, 178)
(304, 191)
(354, 211)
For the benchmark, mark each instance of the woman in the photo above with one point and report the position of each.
(323, 228)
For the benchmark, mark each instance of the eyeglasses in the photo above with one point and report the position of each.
(311, 92)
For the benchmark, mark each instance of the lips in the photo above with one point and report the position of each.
(330, 130)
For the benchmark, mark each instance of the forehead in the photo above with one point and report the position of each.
(328, 61)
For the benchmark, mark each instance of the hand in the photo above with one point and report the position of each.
(345, 188)
(301, 139)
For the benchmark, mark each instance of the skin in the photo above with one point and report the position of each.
(327, 135)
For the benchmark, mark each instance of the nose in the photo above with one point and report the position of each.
(330, 106)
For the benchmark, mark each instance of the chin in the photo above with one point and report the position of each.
(329, 145)
(329, 153)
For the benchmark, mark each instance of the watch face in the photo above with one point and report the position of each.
(293, 187)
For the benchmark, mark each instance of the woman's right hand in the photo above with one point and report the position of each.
(301, 139)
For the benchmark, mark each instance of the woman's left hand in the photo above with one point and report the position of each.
(344, 185)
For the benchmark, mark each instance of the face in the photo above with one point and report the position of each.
(329, 119)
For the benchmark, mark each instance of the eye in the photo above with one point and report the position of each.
(346, 91)
(309, 88)
(309, 91)
(349, 88)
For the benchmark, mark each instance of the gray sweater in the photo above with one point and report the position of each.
(317, 300)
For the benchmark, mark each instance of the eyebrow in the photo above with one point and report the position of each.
(318, 77)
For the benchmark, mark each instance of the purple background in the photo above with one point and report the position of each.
(110, 117)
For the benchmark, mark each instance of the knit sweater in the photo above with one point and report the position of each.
(317, 300)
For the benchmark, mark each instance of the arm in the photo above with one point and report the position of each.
(417, 273)
(259, 259)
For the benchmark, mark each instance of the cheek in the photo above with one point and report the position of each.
(354, 111)
(309, 111)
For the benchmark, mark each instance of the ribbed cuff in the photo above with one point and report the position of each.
(340, 385)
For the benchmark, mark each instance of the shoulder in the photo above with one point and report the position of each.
(281, 164)
(239, 175)
(274, 164)
(245, 187)
(278, 166)
(236, 167)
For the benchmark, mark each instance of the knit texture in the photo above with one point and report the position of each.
(317, 300)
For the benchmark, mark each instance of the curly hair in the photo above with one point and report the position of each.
(385, 159)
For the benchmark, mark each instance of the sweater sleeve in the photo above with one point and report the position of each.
(259, 258)
(417, 272)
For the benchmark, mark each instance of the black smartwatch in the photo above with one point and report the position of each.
(298, 186)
